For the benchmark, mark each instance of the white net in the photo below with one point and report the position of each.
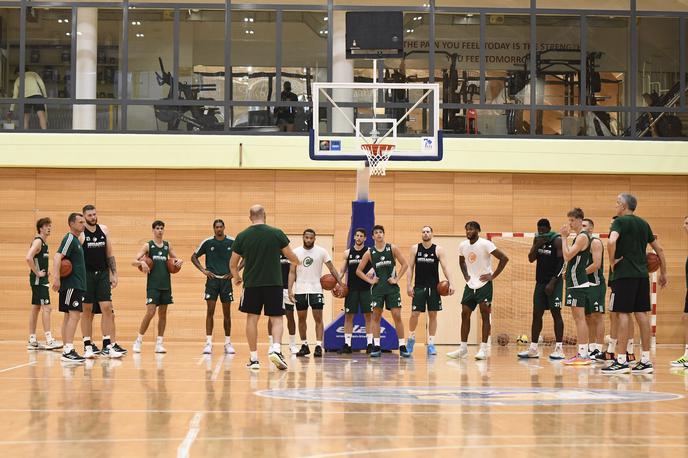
(378, 156)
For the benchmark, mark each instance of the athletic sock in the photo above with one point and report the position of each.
(139, 338)
(645, 357)
(32, 337)
(158, 340)
(533, 346)
(106, 341)
(483, 346)
(209, 339)
(583, 350)
(629, 346)
(464, 346)
(270, 340)
(292, 339)
(347, 339)
(685, 352)
(591, 347)
(254, 356)
(621, 358)
(304, 342)
(68, 347)
(559, 346)
(431, 340)
(276, 348)
(376, 341)
(402, 342)
(228, 340)
(49, 337)
(369, 339)
(611, 348)
(412, 335)
(318, 343)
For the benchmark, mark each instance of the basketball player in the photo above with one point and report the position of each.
(358, 299)
(305, 289)
(547, 251)
(626, 247)
(288, 308)
(37, 259)
(476, 265)
(598, 289)
(101, 276)
(158, 284)
(385, 287)
(683, 360)
(260, 245)
(72, 287)
(426, 258)
(217, 251)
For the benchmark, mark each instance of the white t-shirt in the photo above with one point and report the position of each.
(478, 260)
(308, 273)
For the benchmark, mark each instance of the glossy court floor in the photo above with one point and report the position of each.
(184, 404)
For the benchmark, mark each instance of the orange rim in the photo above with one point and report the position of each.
(377, 148)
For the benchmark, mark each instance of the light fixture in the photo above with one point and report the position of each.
(249, 69)
(68, 34)
(139, 35)
(326, 18)
(469, 15)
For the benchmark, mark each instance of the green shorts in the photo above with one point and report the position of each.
(426, 296)
(579, 297)
(215, 287)
(98, 287)
(596, 297)
(542, 301)
(40, 294)
(473, 297)
(159, 296)
(388, 297)
(358, 301)
(314, 301)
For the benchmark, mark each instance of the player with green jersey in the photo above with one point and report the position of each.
(217, 251)
(594, 313)
(158, 283)
(385, 288)
(37, 260)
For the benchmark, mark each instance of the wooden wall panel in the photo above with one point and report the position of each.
(188, 201)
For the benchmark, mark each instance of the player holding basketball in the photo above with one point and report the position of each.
(305, 289)
(628, 240)
(37, 259)
(385, 287)
(217, 251)
(72, 287)
(547, 253)
(598, 290)
(158, 283)
(101, 276)
(476, 265)
(358, 299)
(426, 258)
(683, 360)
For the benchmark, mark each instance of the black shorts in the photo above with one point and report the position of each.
(32, 106)
(254, 299)
(685, 307)
(630, 295)
(71, 300)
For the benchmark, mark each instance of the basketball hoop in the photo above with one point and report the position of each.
(377, 155)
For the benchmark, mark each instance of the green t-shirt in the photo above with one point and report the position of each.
(71, 249)
(384, 264)
(41, 263)
(159, 276)
(575, 268)
(217, 254)
(634, 235)
(260, 245)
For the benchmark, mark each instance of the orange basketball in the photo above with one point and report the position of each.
(172, 266)
(443, 288)
(65, 267)
(148, 261)
(653, 262)
(502, 339)
(340, 291)
(328, 282)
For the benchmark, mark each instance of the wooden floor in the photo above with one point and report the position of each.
(185, 404)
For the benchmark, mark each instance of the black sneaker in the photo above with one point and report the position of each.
(318, 351)
(304, 351)
(72, 357)
(253, 365)
(119, 349)
(643, 368)
(278, 360)
(616, 368)
(594, 355)
(346, 349)
(369, 349)
(403, 352)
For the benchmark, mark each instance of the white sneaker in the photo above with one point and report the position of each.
(481, 355)
(458, 354)
(530, 353)
(33, 345)
(53, 345)
(159, 348)
(88, 352)
(557, 355)
(208, 349)
(136, 347)
(294, 349)
(229, 349)
(112, 353)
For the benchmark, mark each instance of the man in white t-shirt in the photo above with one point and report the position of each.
(475, 259)
(305, 290)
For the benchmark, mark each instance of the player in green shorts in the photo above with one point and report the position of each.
(594, 313)
(385, 288)
(37, 259)
(217, 251)
(158, 284)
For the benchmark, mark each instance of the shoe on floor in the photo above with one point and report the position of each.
(160, 349)
(458, 354)
(530, 353)
(304, 350)
(432, 351)
(317, 353)
(207, 348)
(229, 349)
(278, 360)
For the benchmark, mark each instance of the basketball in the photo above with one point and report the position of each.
(328, 282)
(570, 340)
(65, 267)
(502, 339)
(340, 291)
(148, 262)
(653, 262)
(443, 288)
(172, 266)
(522, 339)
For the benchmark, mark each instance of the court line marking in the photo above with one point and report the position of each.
(218, 368)
(7, 369)
(194, 428)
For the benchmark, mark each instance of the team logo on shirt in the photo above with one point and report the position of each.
(307, 261)
(472, 257)
(212, 248)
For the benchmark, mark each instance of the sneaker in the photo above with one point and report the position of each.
(278, 360)
(403, 352)
(593, 355)
(376, 352)
(458, 354)
(481, 355)
(679, 362)
(643, 368)
(208, 348)
(557, 355)
(119, 349)
(53, 345)
(608, 357)
(410, 344)
(89, 353)
(370, 348)
(317, 353)
(96, 350)
(159, 348)
(229, 349)
(111, 352)
(33, 345)
(578, 360)
(253, 365)
(346, 349)
(431, 350)
(72, 357)
(304, 351)
(530, 353)
(294, 349)
(136, 347)
(616, 368)
(630, 357)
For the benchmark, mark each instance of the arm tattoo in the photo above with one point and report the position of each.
(112, 265)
